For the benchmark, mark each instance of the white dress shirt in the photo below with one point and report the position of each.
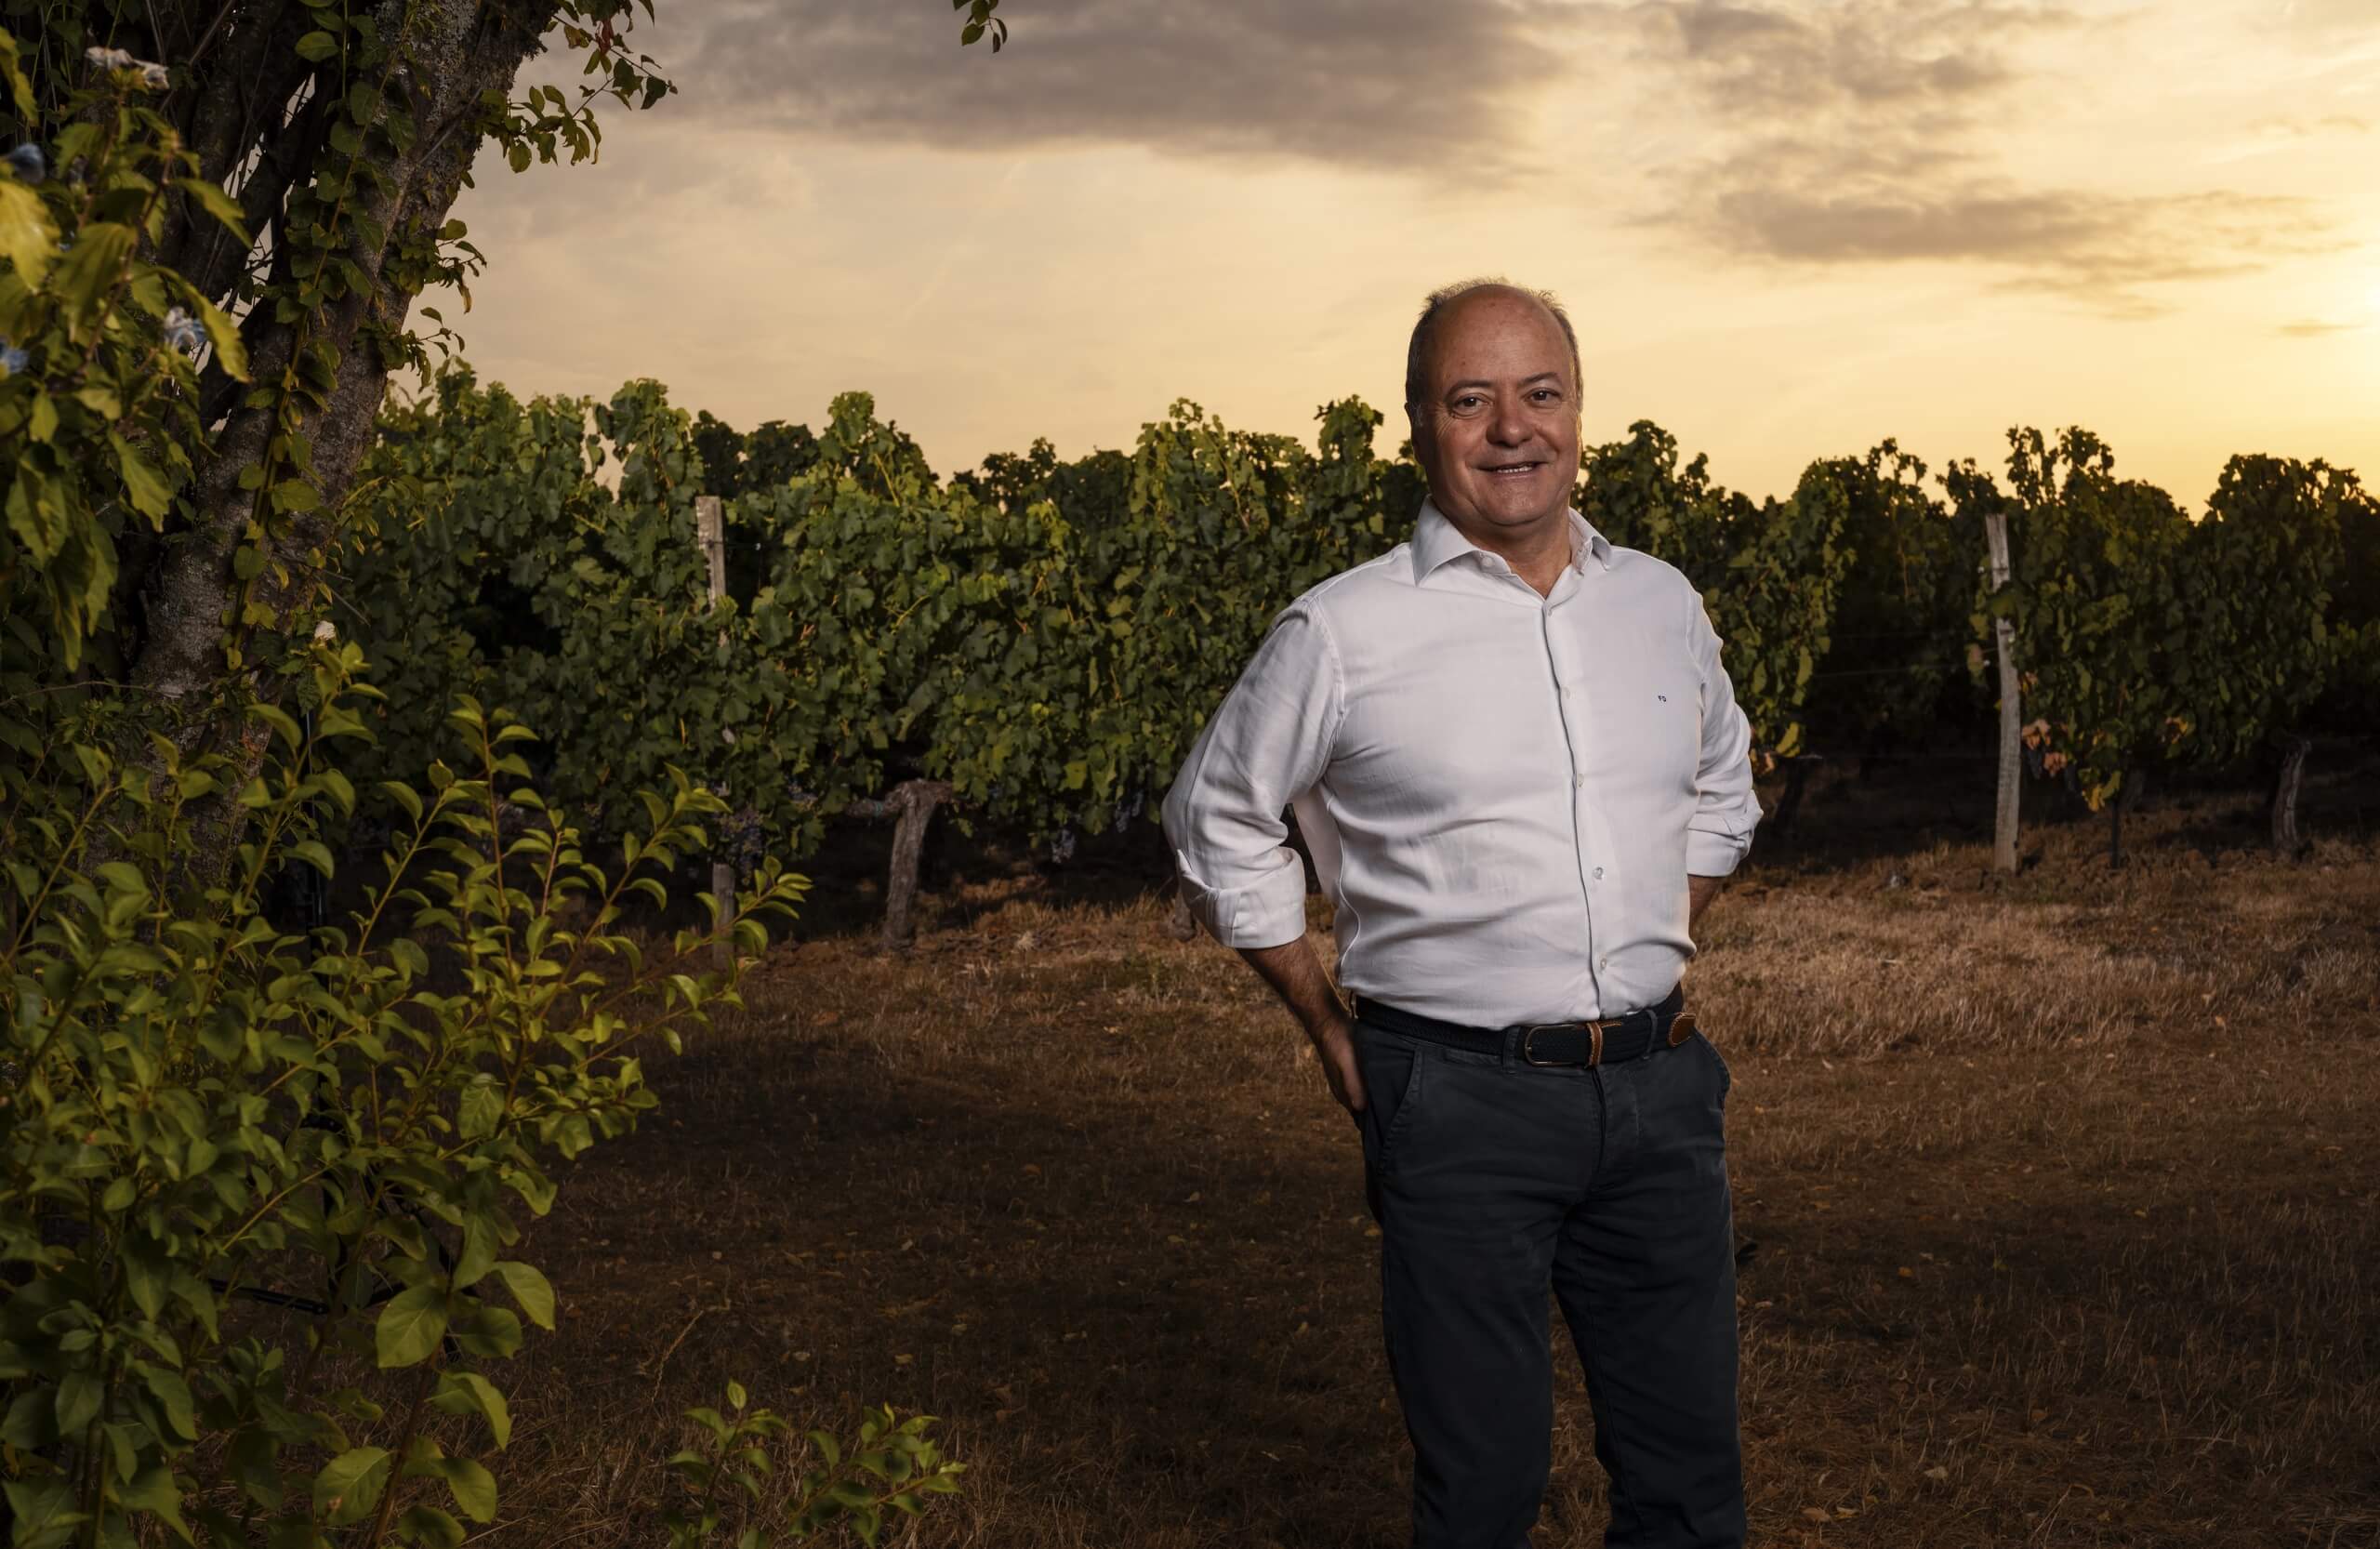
(1503, 793)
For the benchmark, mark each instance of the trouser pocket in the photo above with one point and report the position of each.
(1719, 1063)
(1393, 1069)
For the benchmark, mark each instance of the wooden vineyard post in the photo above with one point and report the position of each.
(710, 529)
(911, 804)
(2288, 838)
(2012, 713)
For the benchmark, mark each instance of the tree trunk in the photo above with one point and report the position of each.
(914, 802)
(2288, 838)
(462, 50)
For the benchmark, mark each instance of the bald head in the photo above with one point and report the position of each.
(1446, 300)
(1491, 392)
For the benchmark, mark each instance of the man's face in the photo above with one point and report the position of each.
(1498, 430)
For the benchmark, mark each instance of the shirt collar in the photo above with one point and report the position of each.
(1437, 540)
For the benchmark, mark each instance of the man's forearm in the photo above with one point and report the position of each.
(1295, 972)
(1700, 890)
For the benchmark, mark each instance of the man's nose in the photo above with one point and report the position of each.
(1507, 426)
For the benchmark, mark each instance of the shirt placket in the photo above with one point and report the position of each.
(1563, 656)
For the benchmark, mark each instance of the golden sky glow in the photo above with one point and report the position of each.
(1786, 228)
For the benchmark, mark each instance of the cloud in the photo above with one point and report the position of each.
(2329, 16)
(2313, 328)
(1804, 132)
(1937, 200)
(1898, 55)
(2094, 247)
(2283, 133)
(2295, 127)
(1388, 83)
(1861, 133)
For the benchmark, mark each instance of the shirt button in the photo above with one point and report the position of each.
(1598, 873)
(1580, 781)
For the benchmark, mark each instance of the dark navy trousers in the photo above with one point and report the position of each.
(1493, 1182)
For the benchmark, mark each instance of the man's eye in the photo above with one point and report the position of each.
(1546, 395)
(1468, 400)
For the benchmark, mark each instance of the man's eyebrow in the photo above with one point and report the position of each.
(1554, 377)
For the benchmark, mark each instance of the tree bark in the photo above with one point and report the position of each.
(914, 802)
(2288, 838)
(463, 50)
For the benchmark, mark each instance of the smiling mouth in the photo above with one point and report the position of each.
(1510, 469)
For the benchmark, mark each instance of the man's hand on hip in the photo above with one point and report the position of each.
(1334, 1045)
(1296, 975)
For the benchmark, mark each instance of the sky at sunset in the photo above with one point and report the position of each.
(1785, 228)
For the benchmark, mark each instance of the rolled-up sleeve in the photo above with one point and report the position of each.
(1726, 811)
(1267, 744)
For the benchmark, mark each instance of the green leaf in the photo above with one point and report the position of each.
(316, 47)
(489, 1330)
(341, 789)
(155, 1489)
(94, 266)
(478, 1109)
(173, 1398)
(411, 1325)
(431, 1527)
(350, 1485)
(473, 1486)
(281, 721)
(405, 796)
(219, 204)
(231, 351)
(28, 237)
(31, 1422)
(78, 1401)
(484, 1397)
(530, 1288)
(479, 1237)
(42, 1512)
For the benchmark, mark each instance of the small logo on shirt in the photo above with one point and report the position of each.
(1662, 698)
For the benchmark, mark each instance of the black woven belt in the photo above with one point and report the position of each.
(1663, 1025)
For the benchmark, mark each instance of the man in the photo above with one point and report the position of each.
(1522, 773)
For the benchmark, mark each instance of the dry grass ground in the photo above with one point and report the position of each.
(2064, 1190)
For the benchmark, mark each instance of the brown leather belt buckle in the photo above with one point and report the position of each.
(1681, 1028)
(1594, 1041)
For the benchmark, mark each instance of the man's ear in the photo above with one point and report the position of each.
(1419, 433)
